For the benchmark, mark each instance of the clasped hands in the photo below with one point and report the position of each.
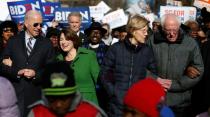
(28, 73)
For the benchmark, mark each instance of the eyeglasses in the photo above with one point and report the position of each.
(37, 24)
(170, 30)
(8, 30)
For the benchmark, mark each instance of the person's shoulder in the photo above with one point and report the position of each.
(117, 44)
(189, 40)
(40, 110)
(44, 41)
(91, 108)
(18, 37)
(85, 51)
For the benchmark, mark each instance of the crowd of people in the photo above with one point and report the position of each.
(131, 71)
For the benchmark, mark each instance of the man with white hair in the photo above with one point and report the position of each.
(175, 53)
(24, 59)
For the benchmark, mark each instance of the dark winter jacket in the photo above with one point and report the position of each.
(124, 64)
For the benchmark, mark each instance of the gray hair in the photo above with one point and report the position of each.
(164, 17)
(31, 13)
(77, 14)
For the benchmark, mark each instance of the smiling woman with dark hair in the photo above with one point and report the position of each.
(82, 61)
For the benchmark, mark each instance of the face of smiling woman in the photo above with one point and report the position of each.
(66, 45)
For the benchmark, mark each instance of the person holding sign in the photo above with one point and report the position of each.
(24, 58)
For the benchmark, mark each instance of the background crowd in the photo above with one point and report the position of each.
(133, 70)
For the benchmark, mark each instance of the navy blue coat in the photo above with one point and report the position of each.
(28, 91)
(124, 64)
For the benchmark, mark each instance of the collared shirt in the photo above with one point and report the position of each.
(78, 33)
(27, 36)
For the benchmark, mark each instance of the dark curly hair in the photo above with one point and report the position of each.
(8, 24)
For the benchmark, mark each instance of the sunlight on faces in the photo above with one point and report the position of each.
(140, 34)
(74, 23)
(171, 29)
(66, 45)
(32, 29)
(95, 36)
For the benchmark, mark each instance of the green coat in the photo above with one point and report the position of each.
(86, 70)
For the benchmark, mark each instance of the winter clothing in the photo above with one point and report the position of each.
(79, 108)
(172, 60)
(124, 64)
(147, 96)
(27, 90)
(58, 86)
(95, 26)
(200, 93)
(8, 99)
(59, 80)
(86, 70)
(100, 51)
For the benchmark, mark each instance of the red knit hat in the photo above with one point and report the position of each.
(145, 96)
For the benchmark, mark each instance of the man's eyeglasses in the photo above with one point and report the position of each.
(171, 30)
(37, 24)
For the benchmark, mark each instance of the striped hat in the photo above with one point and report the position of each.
(58, 80)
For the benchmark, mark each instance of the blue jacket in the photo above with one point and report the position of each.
(123, 65)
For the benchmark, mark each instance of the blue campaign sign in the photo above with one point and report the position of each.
(61, 15)
(18, 9)
(49, 10)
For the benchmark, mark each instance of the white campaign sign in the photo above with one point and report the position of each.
(115, 19)
(184, 13)
(104, 6)
(98, 11)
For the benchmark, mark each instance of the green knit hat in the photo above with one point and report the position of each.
(58, 80)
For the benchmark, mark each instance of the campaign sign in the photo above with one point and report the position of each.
(184, 13)
(18, 9)
(115, 19)
(61, 15)
(49, 10)
(202, 3)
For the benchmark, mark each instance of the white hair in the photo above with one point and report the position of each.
(164, 17)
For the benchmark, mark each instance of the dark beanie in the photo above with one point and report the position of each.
(58, 79)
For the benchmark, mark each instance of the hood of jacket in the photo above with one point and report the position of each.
(160, 37)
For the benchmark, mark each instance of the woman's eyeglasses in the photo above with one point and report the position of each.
(37, 24)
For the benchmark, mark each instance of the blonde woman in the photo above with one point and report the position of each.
(126, 63)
